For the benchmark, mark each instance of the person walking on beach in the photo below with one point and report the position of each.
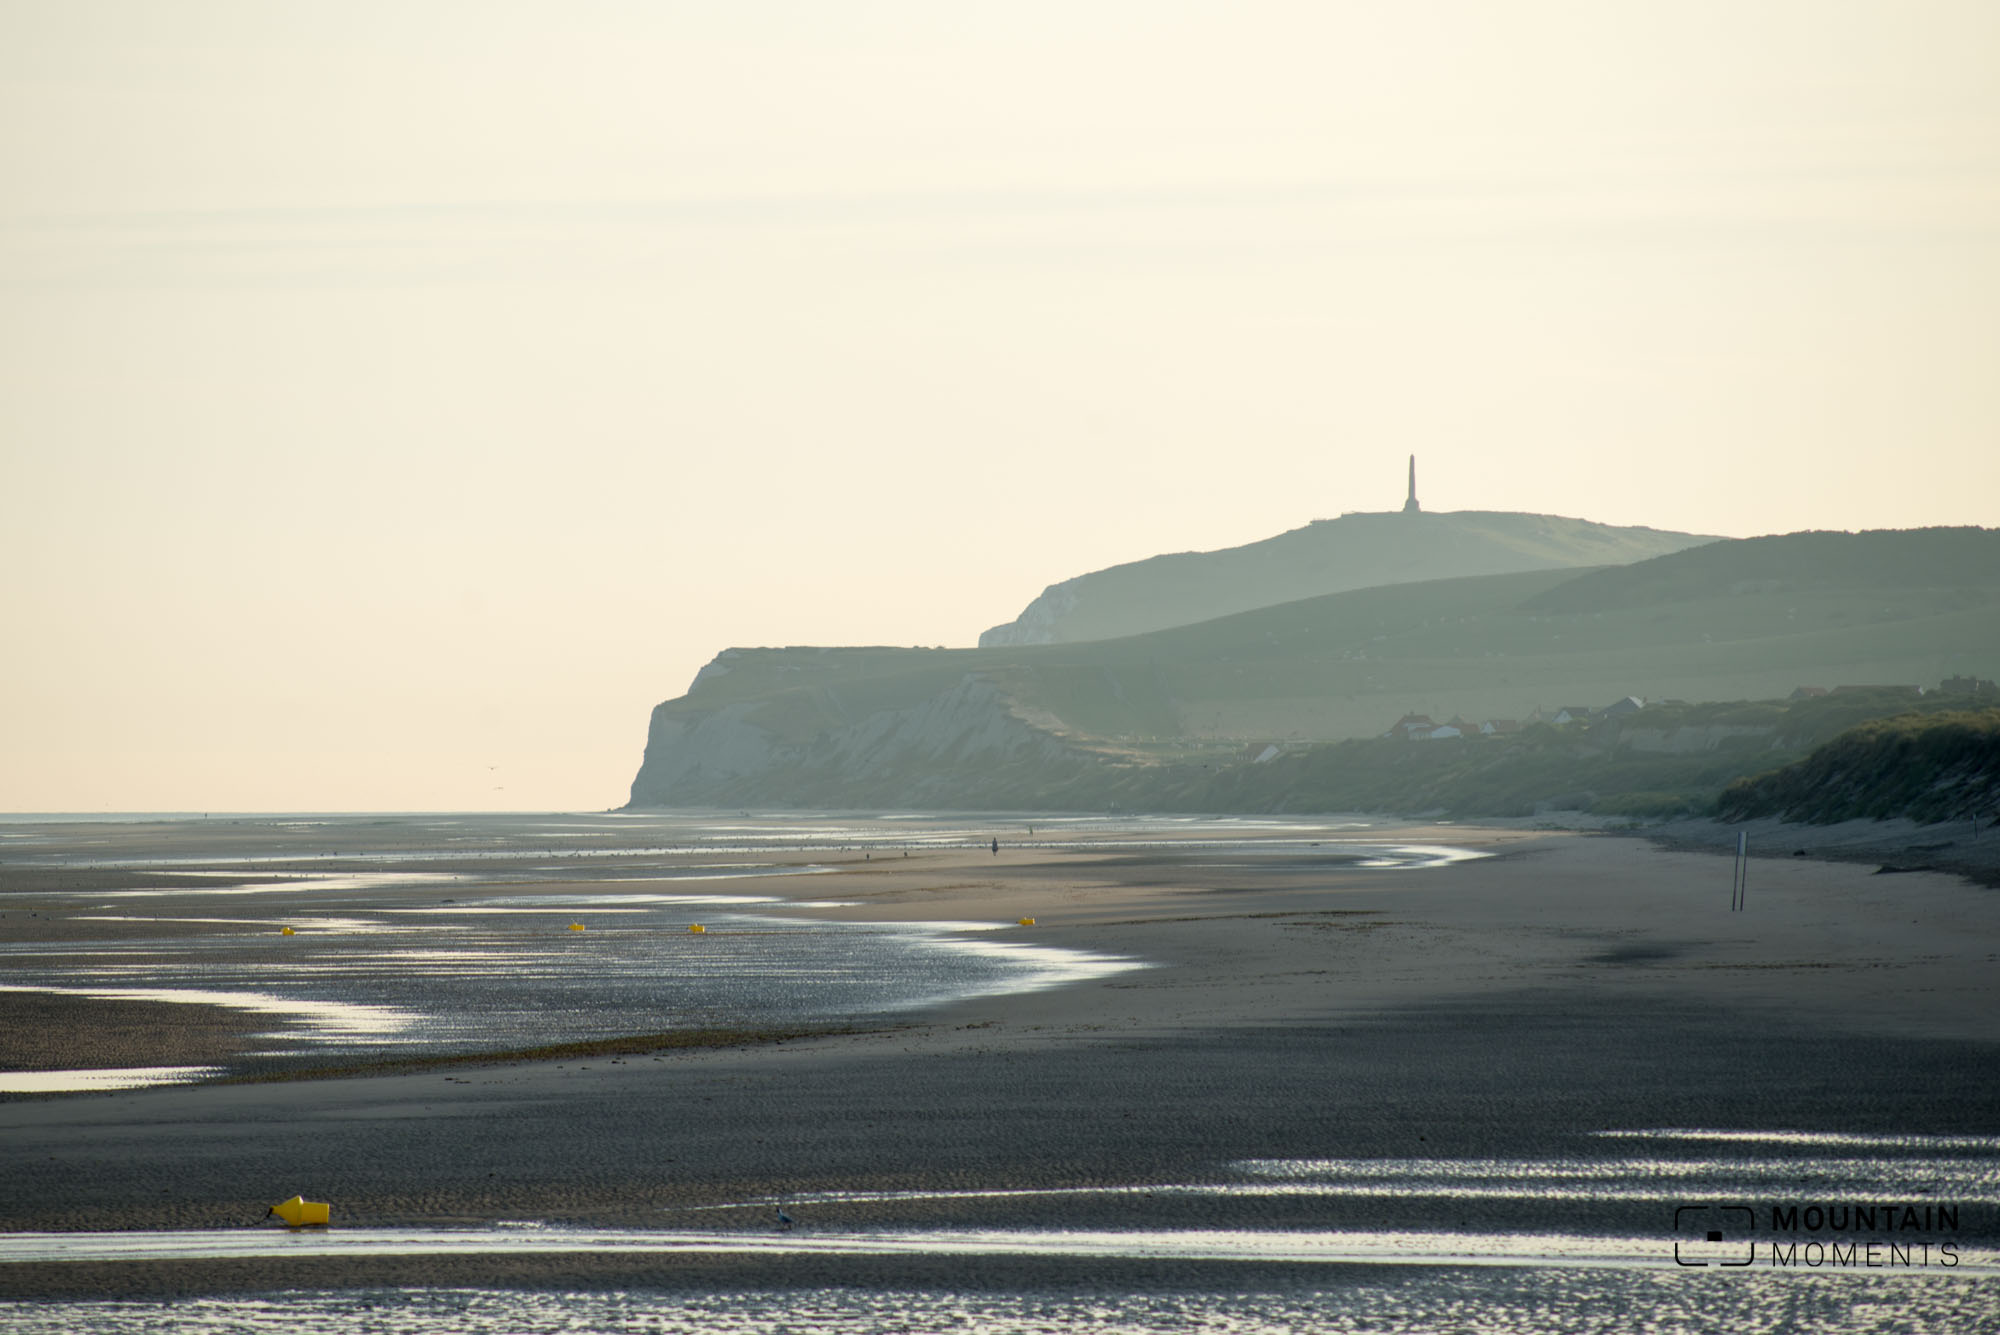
(996, 846)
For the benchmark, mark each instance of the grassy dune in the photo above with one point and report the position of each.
(1930, 766)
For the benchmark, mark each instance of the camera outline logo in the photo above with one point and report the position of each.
(1711, 1224)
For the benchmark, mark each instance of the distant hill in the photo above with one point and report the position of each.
(1661, 761)
(1792, 563)
(1119, 721)
(1357, 551)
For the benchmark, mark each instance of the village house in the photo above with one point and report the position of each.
(1412, 727)
(1423, 728)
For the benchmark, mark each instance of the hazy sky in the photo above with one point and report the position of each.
(398, 399)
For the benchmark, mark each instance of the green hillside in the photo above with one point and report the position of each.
(1356, 551)
(1613, 766)
(1942, 559)
(1822, 610)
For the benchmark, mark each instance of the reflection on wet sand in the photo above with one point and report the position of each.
(1481, 1301)
(78, 1082)
(407, 938)
(1385, 1247)
(1362, 1085)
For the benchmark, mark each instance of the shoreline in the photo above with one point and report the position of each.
(1952, 848)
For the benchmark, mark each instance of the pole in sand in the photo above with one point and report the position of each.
(1739, 883)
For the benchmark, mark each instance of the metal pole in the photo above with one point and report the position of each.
(1742, 869)
(1735, 871)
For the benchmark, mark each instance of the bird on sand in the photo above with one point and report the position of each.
(784, 1220)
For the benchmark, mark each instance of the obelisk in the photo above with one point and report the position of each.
(1410, 506)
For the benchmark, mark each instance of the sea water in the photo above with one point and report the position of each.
(417, 936)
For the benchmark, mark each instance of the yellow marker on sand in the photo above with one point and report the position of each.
(696, 927)
(288, 932)
(299, 1212)
(576, 927)
(1027, 922)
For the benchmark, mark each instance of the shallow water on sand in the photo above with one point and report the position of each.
(1494, 1282)
(359, 938)
(461, 933)
(1942, 1254)
(508, 974)
(420, 840)
(1474, 1302)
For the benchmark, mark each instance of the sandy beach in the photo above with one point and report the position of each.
(1512, 1007)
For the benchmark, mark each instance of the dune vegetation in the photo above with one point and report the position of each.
(1926, 766)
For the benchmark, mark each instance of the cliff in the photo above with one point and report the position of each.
(962, 745)
(1161, 720)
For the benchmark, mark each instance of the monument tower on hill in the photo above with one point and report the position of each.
(1410, 507)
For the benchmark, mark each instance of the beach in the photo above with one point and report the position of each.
(1545, 1007)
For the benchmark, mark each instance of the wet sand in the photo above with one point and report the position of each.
(1504, 1008)
(1964, 848)
(40, 1031)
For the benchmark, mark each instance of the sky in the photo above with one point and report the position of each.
(397, 400)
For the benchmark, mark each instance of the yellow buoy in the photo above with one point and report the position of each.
(288, 932)
(299, 1212)
(696, 927)
(1027, 922)
(576, 927)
